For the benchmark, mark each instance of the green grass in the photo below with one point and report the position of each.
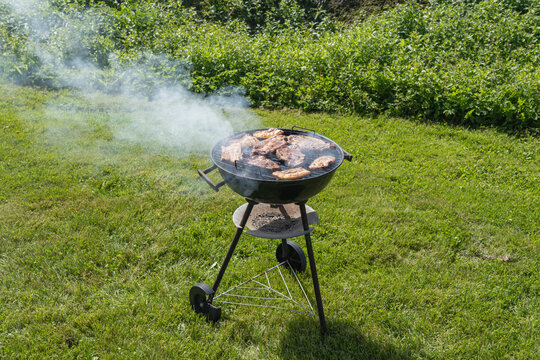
(427, 247)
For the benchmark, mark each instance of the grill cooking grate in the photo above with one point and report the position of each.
(243, 169)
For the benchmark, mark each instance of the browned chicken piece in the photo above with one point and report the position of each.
(261, 161)
(322, 162)
(246, 141)
(291, 174)
(231, 153)
(309, 143)
(270, 145)
(290, 154)
(268, 133)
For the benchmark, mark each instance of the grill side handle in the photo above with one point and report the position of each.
(202, 173)
(347, 156)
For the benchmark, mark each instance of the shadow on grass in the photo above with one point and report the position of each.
(302, 341)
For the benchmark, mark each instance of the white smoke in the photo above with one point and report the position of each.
(175, 117)
(151, 101)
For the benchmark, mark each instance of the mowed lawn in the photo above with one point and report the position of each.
(427, 246)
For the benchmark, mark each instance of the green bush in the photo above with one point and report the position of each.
(517, 5)
(262, 15)
(473, 63)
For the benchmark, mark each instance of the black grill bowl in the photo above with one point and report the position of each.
(260, 186)
(278, 191)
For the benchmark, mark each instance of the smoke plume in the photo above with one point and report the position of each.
(148, 102)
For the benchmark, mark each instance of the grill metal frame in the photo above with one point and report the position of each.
(274, 192)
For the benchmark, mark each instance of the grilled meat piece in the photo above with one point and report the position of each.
(309, 143)
(291, 174)
(291, 154)
(322, 162)
(269, 145)
(263, 162)
(268, 133)
(231, 153)
(246, 141)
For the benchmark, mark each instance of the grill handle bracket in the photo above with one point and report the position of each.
(347, 156)
(202, 173)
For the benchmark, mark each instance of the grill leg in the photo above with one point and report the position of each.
(313, 268)
(284, 249)
(232, 247)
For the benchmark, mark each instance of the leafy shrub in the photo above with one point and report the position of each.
(467, 62)
(262, 15)
(522, 6)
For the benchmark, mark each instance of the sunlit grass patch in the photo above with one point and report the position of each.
(427, 245)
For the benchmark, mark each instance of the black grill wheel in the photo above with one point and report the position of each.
(294, 254)
(199, 300)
